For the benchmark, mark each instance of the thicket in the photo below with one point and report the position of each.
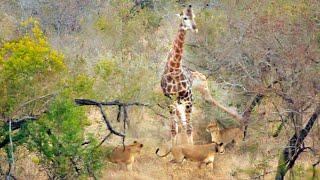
(117, 49)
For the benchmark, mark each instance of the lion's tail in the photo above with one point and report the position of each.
(162, 155)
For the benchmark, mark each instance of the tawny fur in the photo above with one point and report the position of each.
(127, 155)
(180, 139)
(204, 154)
(226, 135)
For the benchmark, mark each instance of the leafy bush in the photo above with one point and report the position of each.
(28, 67)
(57, 139)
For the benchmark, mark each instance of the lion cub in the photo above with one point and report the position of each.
(125, 156)
(204, 154)
(226, 136)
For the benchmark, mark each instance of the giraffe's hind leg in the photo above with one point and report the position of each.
(189, 128)
(174, 123)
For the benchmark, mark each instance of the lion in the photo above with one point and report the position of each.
(226, 136)
(125, 155)
(204, 154)
(180, 139)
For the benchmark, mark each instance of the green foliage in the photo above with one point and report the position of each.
(105, 68)
(78, 86)
(28, 66)
(57, 138)
(120, 54)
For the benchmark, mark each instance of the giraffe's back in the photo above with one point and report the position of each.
(177, 83)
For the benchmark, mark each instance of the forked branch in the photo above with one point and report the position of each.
(121, 107)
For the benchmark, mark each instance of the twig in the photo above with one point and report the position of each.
(119, 113)
(35, 99)
(104, 139)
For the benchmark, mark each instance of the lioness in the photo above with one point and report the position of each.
(181, 138)
(125, 156)
(204, 154)
(226, 136)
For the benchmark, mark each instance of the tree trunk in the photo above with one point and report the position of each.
(293, 149)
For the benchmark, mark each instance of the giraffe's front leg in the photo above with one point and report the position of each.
(188, 111)
(174, 124)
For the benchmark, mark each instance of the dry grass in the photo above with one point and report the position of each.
(149, 166)
(254, 157)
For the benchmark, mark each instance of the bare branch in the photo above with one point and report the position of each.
(36, 99)
(104, 139)
(108, 123)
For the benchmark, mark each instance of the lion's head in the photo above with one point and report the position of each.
(214, 130)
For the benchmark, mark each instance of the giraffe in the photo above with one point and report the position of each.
(177, 81)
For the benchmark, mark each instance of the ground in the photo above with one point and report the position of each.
(149, 166)
(255, 158)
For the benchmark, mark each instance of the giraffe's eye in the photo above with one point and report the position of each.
(185, 18)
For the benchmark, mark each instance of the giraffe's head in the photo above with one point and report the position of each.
(187, 19)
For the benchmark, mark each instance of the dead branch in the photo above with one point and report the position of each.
(104, 139)
(16, 124)
(111, 103)
(293, 150)
(121, 106)
(108, 122)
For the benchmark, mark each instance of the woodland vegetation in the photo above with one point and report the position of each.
(261, 58)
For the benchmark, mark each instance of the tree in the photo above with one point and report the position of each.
(29, 70)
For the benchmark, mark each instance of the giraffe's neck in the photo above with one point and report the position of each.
(174, 62)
